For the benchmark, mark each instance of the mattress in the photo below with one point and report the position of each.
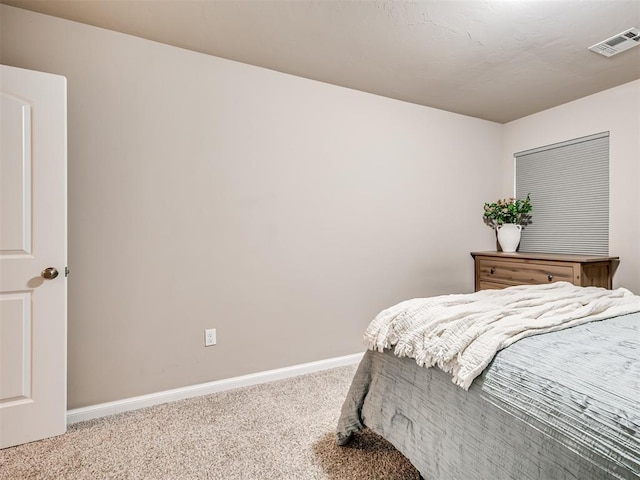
(556, 406)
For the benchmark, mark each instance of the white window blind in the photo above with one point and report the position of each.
(569, 187)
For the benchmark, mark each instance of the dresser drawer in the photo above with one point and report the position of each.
(501, 270)
(491, 286)
(494, 271)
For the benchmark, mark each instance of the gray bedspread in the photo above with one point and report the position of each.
(562, 405)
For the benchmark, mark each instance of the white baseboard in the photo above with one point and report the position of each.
(110, 408)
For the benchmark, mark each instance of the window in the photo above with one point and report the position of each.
(569, 187)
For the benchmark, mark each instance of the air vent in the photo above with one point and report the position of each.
(618, 43)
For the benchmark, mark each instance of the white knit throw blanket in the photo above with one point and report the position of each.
(462, 333)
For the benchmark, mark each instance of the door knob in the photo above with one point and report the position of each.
(49, 273)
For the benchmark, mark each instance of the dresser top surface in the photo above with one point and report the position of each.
(559, 257)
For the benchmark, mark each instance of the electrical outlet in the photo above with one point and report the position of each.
(209, 337)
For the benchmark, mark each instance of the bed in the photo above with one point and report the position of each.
(559, 405)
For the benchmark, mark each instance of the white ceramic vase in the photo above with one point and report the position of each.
(509, 236)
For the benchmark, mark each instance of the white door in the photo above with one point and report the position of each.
(33, 246)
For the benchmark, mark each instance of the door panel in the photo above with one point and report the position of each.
(15, 177)
(15, 347)
(33, 226)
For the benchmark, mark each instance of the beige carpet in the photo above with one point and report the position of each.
(279, 430)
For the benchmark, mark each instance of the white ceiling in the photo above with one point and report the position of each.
(494, 59)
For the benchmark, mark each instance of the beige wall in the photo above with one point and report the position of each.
(617, 111)
(283, 212)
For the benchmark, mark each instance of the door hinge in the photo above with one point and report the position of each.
(66, 271)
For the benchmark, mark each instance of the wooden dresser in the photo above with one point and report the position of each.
(500, 270)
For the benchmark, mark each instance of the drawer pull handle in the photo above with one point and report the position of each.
(550, 277)
(492, 271)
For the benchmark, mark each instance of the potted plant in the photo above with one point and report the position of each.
(507, 216)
